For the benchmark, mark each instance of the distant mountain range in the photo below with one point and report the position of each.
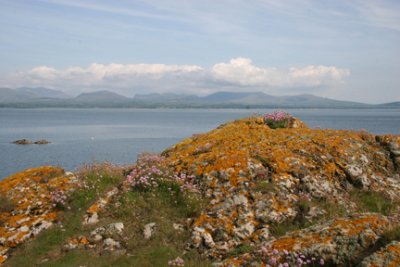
(43, 97)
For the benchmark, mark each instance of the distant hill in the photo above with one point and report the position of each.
(101, 97)
(26, 94)
(165, 97)
(44, 97)
(220, 97)
(41, 92)
(8, 95)
(391, 105)
(245, 99)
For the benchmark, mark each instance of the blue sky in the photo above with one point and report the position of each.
(341, 49)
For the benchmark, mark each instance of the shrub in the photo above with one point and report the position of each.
(277, 119)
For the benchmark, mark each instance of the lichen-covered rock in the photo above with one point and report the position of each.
(92, 216)
(104, 238)
(387, 256)
(341, 242)
(392, 142)
(255, 176)
(31, 193)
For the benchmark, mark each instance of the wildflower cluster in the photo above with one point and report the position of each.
(176, 262)
(151, 170)
(58, 198)
(277, 119)
(148, 171)
(284, 258)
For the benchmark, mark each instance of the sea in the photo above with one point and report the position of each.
(85, 136)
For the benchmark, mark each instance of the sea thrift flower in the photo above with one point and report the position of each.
(275, 258)
(58, 198)
(277, 119)
(151, 170)
(176, 262)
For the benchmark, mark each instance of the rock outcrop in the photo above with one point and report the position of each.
(290, 196)
(256, 178)
(33, 195)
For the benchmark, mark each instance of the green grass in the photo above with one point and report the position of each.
(366, 201)
(6, 205)
(330, 208)
(239, 250)
(373, 202)
(98, 178)
(265, 186)
(391, 234)
(164, 205)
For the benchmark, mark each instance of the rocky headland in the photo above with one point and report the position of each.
(243, 194)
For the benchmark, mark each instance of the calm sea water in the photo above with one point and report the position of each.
(118, 135)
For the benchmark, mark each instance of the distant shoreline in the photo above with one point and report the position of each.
(19, 106)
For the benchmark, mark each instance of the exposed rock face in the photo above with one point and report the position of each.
(31, 191)
(341, 242)
(392, 143)
(387, 256)
(237, 161)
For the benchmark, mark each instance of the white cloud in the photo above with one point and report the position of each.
(239, 74)
(241, 71)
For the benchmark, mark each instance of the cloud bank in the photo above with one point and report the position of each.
(239, 74)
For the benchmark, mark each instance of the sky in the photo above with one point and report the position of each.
(342, 49)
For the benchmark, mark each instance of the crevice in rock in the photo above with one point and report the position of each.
(394, 159)
(379, 244)
(349, 178)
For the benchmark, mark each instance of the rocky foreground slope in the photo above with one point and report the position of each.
(269, 197)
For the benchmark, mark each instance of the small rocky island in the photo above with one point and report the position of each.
(29, 142)
(22, 142)
(262, 191)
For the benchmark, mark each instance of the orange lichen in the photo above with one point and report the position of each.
(31, 193)
(234, 157)
(93, 208)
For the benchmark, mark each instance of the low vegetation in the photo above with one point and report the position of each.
(166, 205)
